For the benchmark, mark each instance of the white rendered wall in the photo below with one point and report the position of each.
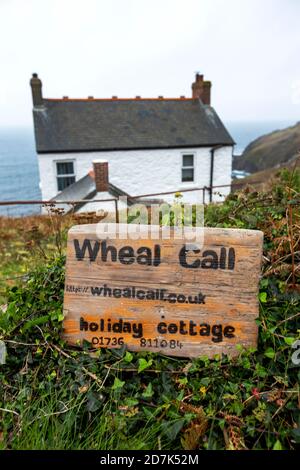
(139, 172)
(222, 172)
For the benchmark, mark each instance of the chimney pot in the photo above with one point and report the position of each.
(206, 92)
(201, 89)
(101, 175)
(36, 90)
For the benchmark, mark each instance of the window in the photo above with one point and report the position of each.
(187, 171)
(65, 174)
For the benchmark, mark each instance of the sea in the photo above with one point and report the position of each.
(19, 174)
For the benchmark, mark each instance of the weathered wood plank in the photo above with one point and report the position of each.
(168, 296)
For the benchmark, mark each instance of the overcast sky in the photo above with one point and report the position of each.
(249, 49)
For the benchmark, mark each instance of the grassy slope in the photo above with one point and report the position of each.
(270, 150)
(24, 241)
(55, 396)
(265, 179)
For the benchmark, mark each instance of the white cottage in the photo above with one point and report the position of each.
(95, 148)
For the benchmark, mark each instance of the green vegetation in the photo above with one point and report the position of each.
(53, 396)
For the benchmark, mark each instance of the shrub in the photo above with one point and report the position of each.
(56, 396)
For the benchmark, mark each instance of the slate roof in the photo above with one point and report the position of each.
(70, 125)
(85, 188)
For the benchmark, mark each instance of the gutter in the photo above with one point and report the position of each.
(121, 149)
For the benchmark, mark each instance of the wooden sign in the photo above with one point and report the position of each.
(161, 295)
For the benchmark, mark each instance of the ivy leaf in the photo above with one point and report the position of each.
(128, 357)
(171, 430)
(148, 392)
(60, 317)
(263, 297)
(277, 445)
(143, 364)
(264, 283)
(118, 384)
(289, 341)
(93, 403)
(270, 353)
(130, 402)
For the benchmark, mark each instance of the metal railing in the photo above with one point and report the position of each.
(52, 202)
(139, 196)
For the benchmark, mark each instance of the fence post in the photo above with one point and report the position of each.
(117, 211)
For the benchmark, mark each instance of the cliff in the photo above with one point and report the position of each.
(273, 150)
